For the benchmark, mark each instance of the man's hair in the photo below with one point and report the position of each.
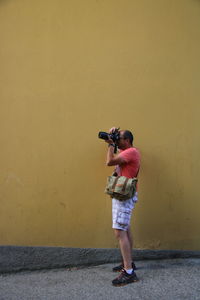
(128, 135)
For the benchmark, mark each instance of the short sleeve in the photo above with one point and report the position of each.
(127, 155)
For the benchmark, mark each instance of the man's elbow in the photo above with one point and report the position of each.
(109, 163)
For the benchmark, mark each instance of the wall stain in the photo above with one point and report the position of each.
(62, 204)
(11, 177)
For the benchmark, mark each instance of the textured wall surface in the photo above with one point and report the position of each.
(72, 68)
(19, 258)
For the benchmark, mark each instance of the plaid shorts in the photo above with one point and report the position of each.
(121, 212)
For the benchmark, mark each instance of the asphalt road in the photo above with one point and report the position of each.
(158, 279)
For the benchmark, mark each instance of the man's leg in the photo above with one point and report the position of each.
(119, 268)
(127, 274)
(130, 237)
(121, 226)
(125, 247)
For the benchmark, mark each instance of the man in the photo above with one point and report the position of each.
(127, 164)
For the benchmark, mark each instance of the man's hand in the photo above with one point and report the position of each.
(113, 129)
(113, 160)
(109, 141)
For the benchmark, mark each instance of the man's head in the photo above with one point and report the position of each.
(126, 139)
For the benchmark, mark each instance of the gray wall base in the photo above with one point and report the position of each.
(18, 258)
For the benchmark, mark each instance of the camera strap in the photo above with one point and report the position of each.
(115, 149)
(137, 172)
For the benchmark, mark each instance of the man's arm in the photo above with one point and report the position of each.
(112, 159)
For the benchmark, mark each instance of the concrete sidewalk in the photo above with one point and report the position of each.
(169, 279)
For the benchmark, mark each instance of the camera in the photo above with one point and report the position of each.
(115, 136)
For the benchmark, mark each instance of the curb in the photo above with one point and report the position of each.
(21, 258)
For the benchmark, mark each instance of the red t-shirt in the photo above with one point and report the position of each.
(132, 158)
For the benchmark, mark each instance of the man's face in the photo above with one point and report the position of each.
(121, 143)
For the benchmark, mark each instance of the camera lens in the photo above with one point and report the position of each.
(103, 135)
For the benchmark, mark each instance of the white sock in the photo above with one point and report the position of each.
(129, 271)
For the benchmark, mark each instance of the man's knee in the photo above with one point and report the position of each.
(119, 234)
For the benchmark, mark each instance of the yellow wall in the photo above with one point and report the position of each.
(69, 69)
